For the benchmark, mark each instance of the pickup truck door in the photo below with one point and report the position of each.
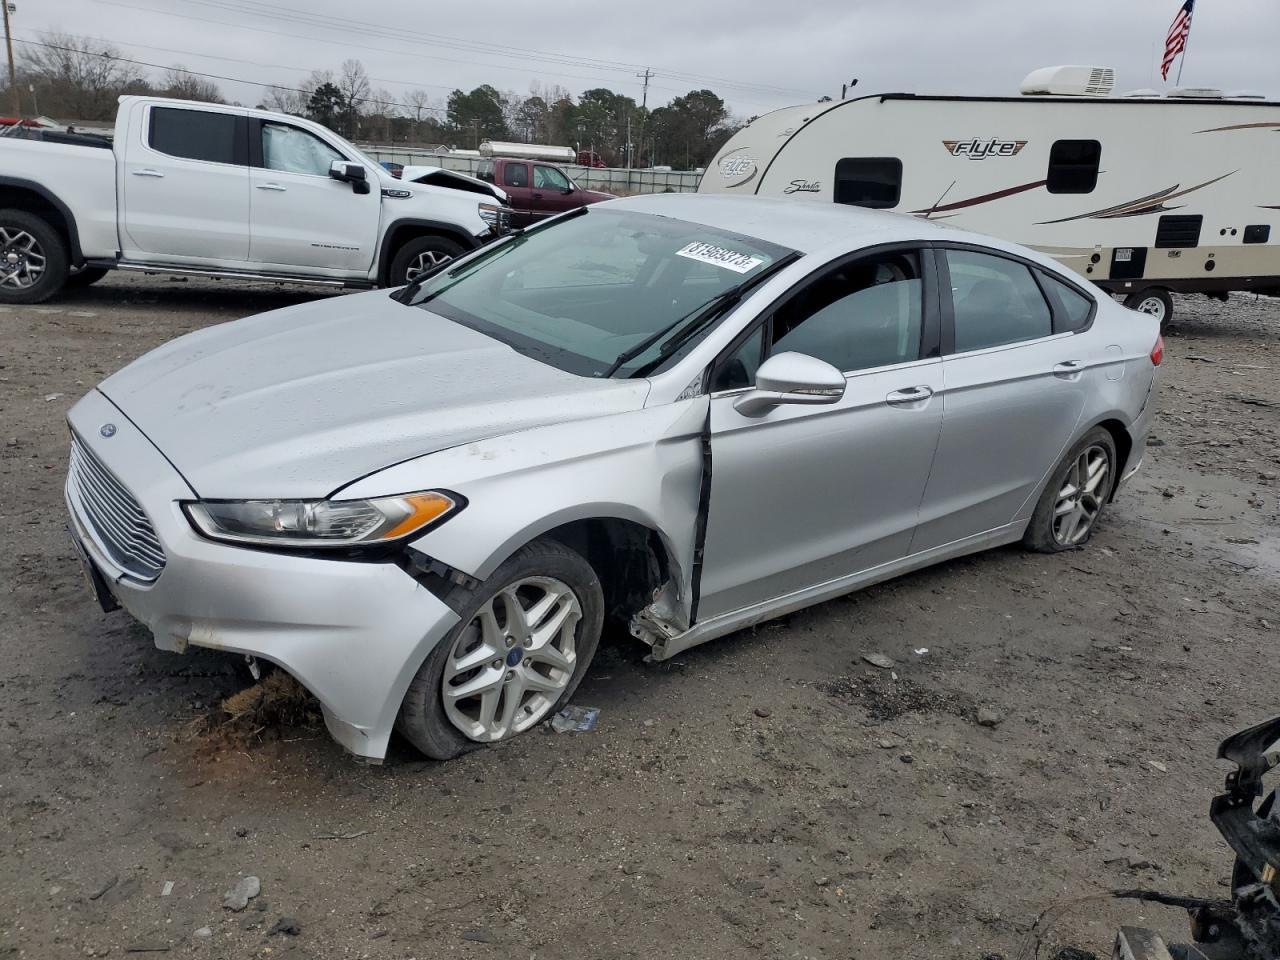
(515, 181)
(552, 191)
(184, 185)
(301, 218)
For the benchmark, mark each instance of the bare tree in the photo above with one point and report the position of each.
(286, 100)
(183, 85)
(353, 84)
(417, 102)
(76, 77)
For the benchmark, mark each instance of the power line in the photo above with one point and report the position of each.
(379, 101)
(294, 16)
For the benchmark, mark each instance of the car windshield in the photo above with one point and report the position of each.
(584, 291)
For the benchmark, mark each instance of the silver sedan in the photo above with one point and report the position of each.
(684, 414)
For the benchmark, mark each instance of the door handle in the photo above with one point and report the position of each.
(147, 172)
(908, 395)
(271, 186)
(537, 196)
(1068, 368)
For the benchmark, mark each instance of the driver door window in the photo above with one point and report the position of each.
(293, 150)
(857, 316)
(549, 178)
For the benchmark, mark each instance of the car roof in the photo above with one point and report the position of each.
(805, 225)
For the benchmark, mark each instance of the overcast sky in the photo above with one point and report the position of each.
(757, 54)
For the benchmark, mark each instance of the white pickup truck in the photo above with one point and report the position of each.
(212, 190)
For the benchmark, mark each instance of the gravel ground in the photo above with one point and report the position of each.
(770, 794)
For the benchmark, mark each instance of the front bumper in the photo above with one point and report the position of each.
(353, 633)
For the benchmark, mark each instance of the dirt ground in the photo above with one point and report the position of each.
(770, 794)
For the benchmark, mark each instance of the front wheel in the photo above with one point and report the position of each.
(33, 258)
(1075, 496)
(420, 257)
(1154, 301)
(518, 653)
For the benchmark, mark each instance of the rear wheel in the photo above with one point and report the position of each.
(420, 256)
(33, 258)
(1075, 496)
(1154, 301)
(519, 651)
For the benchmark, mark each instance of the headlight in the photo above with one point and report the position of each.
(494, 215)
(320, 523)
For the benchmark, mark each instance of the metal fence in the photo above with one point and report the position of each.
(611, 179)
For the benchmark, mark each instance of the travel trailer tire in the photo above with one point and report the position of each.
(1155, 301)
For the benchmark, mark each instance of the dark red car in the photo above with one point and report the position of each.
(537, 189)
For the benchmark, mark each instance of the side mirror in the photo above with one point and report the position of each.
(791, 378)
(568, 189)
(352, 173)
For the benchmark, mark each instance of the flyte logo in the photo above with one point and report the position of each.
(976, 149)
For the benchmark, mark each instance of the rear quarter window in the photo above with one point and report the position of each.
(1076, 308)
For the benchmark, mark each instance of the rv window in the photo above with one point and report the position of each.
(995, 301)
(1073, 166)
(861, 315)
(869, 181)
(1075, 308)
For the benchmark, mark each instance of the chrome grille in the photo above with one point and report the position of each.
(116, 517)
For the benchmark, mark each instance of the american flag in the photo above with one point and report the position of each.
(1176, 42)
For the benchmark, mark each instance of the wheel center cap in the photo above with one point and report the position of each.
(514, 656)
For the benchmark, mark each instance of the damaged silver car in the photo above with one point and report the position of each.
(687, 414)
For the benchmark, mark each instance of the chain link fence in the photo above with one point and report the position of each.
(616, 180)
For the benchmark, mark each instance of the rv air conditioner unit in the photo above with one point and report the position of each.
(1195, 93)
(1143, 94)
(1069, 82)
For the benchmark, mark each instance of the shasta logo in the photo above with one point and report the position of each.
(737, 167)
(976, 149)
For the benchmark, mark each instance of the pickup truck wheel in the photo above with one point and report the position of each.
(86, 276)
(33, 258)
(522, 644)
(420, 255)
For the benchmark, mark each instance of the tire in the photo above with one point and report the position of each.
(419, 255)
(443, 730)
(1049, 530)
(84, 277)
(1155, 301)
(33, 258)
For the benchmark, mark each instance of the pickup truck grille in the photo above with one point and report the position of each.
(107, 506)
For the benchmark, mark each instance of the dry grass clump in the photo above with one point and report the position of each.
(259, 712)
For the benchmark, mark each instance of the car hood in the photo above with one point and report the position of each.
(301, 401)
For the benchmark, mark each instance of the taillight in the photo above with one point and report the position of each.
(1157, 352)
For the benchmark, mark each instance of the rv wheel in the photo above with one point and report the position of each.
(1154, 301)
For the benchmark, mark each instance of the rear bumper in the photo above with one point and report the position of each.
(1139, 432)
(352, 633)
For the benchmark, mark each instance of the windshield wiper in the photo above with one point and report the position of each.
(687, 326)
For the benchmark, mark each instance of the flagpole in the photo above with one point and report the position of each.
(1185, 43)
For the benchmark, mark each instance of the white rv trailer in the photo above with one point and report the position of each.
(1142, 194)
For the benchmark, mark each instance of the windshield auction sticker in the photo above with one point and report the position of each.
(720, 257)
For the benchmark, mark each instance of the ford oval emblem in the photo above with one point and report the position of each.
(107, 430)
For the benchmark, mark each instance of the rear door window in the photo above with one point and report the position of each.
(198, 135)
(995, 301)
(515, 175)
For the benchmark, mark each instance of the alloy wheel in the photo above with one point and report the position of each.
(22, 259)
(510, 665)
(1081, 497)
(423, 262)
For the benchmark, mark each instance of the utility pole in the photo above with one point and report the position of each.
(644, 105)
(13, 73)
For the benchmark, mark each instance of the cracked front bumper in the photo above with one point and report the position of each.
(353, 633)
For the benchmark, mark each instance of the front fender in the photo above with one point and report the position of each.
(644, 466)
